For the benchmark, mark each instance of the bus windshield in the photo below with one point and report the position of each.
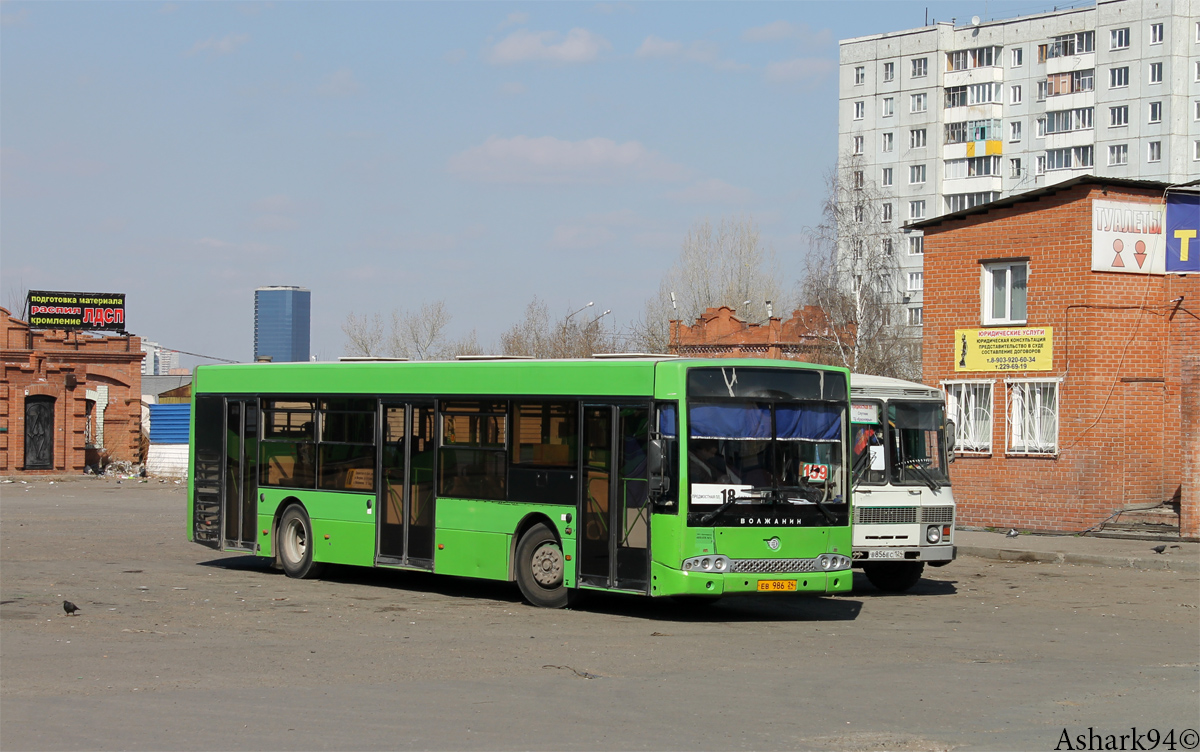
(917, 449)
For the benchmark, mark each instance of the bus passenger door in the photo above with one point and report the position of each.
(239, 502)
(407, 453)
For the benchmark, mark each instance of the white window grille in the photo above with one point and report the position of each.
(969, 405)
(1032, 417)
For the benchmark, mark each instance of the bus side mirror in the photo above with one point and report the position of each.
(951, 432)
(658, 463)
(654, 458)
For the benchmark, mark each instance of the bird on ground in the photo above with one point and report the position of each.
(70, 608)
(1159, 549)
(1012, 533)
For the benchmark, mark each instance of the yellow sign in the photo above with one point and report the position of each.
(1029, 349)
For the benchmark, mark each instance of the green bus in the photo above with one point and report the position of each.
(658, 476)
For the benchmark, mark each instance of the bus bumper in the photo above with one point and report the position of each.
(886, 554)
(667, 581)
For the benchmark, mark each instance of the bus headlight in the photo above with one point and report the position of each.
(833, 562)
(933, 534)
(706, 564)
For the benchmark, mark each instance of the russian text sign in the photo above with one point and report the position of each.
(1128, 237)
(1029, 349)
(76, 310)
(1183, 227)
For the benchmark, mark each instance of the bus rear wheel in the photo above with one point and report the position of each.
(295, 543)
(540, 568)
(894, 578)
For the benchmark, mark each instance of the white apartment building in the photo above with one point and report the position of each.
(946, 117)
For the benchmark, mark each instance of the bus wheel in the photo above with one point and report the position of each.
(894, 578)
(540, 566)
(295, 545)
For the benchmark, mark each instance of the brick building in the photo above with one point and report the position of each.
(719, 333)
(1070, 359)
(67, 399)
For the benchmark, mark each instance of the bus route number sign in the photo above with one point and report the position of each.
(815, 473)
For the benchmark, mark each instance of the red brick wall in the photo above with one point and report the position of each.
(1118, 346)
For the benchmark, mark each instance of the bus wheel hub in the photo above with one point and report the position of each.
(548, 565)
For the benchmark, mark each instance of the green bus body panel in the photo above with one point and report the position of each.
(494, 518)
(470, 553)
(341, 516)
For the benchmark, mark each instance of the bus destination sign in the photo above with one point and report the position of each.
(103, 311)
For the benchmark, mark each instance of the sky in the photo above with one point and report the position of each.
(386, 154)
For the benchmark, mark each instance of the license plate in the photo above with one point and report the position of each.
(776, 586)
(887, 555)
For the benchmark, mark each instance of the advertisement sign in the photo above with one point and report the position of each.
(1029, 349)
(103, 311)
(1128, 237)
(1183, 226)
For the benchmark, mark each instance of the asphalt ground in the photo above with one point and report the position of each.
(177, 646)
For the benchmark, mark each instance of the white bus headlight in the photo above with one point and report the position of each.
(933, 534)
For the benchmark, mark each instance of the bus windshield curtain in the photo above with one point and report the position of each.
(808, 423)
(730, 422)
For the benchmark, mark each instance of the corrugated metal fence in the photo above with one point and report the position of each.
(169, 423)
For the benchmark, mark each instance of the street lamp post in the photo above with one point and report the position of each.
(569, 315)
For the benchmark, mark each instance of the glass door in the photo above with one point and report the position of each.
(240, 483)
(406, 501)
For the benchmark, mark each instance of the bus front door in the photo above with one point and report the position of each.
(239, 502)
(406, 500)
(614, 511)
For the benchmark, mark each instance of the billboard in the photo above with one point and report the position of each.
(1128, 237)
(1183, 225)
(103, 311)
(1030, 349)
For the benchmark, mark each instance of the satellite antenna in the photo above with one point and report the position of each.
(974, 20)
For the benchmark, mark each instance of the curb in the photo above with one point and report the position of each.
(1093, 560)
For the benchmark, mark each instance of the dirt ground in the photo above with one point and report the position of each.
(176, 646)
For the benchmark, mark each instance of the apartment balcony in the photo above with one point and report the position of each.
(1070, 63)
(1071, 101)
(972, 149)
(973, 112)
(1070, 138)
(969, 76)
(977, 184)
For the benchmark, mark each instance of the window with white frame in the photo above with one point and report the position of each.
(885, 247)
(885, 215)
(859, 213)
(1156, 73)
(1195, 151)
(1198, 71)
(1016, 56)
(1014, 95)
(860, 180)
(916, 245)
(1043, 87)
(860, 110)
(1156, 112)
(1014, 168)
(1039, 165)
(916, 209)
(916, 174)
(1041, 127)
(889, 71)
(858, 144)
(1118, 154)
(887, 142)
(860, 74)
(1005, 292)
(1156, 33)
(914, 316)
(920, 67)
(919, 103)
(916, 281)
(1154, 151)
(1118, 39)
(1118, 116)
(1014, 130)
(887, 107)
(969, 405)
(886, 178)
(916, 138)
(1118, 77)
(1032, 417)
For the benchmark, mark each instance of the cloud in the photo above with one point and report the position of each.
(579, 46)
(548, 160)
(653, 46)
(513, 19)
(214, 46)
(779, 31)
(702, 52)
(809, 70)
(711, 191)
(340, 83)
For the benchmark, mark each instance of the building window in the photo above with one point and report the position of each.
(859, 180)
(1118, 77)
(1156, 33)
(886, 179)
(1005, 290)
(914, 316)
(1118, 154)
(1014, 168)
(959, 201)
(1118, 116)
(1156, 73)
(1041, 127)
(860, 110)
(885, 247)
(1033, 417)
(1043, 88)
(885, 214)
(889, 71)
(916, 245)
(1195, 151)
(916, 138)
(859, 213)
(1039, 165)
(887, 108)
(860, 75)
(1066, 159)
(887, 142)
(916, 174)
(969, 405)
(1156, 112)
(1198, 71)
(1014, 130)
(919, 103)
(916, 281)
(1119, 39)
(858, 144)
(920, 67)
(1014, 95)
(1063, 121)
(971, 167)
(916, 209)
(1154, 151)
(1016, 55)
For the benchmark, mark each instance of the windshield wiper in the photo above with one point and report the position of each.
(714, 514)
(915, 465)
(809, 494)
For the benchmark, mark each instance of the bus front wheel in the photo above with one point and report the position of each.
(540, 566)
(296, 545)
(894, 578)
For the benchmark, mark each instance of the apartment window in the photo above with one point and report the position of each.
(889, 71)
(1014, 168)
(916, 245)
(1156, 73)
(1069, 83)
(973, 130)
(920, 67)
(1156, 112)
(886, 179)
(885, 215)
(1066, 159)
(858, 144)
(972, 167)
(859, 213)
(916, 209)
(1068, 45)
(1195, 151)
(860, 74)
(1004, 292)
(914, 316)
(887, 107)
(1063, 121)
(1014, 95)
(1154, 151)
(916, 174)
(1043, 88)
(969, 405)
(1198, 71)
(1041, 127)
(1156, 33)
(956, 60)
(1014, 130)
(859, 180)
(1039, 165)
(1033, 417)
(1118, 77)
(1196, 110)
(916, 281)
(1118, 154)
(916, 138)
(919, 103)
(959, 201)
(1118, 39)
(860, 110)
(1118, 116)
(887, 141)
(1015, 57)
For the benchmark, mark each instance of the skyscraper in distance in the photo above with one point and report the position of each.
(281, 323)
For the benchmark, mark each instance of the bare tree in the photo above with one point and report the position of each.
(413, 334)
(852, 276)
(364, 334)
(723, 265)
(537, 335)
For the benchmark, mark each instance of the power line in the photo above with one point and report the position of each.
(198, 355)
